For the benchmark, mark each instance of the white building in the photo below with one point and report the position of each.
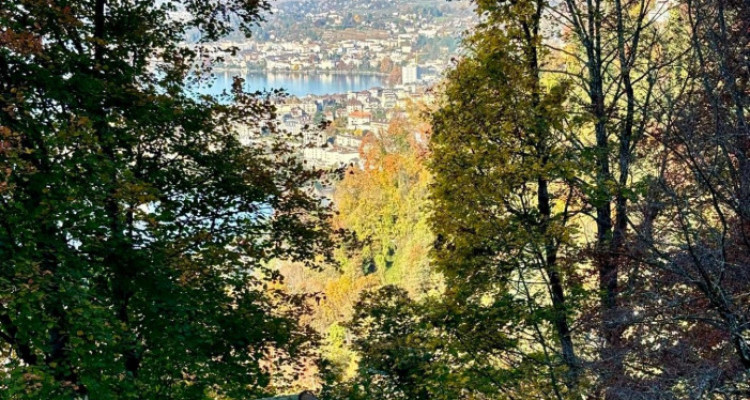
(410, 74)
(310, 107)
(352, 142)
(359, 120)
(321, 157)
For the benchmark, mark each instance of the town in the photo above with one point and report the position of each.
(360, 36)
(408, 45)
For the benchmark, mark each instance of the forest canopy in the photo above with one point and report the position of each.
(569, 219)
(136, 228)
(589, 201)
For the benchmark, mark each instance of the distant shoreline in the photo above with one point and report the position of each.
(300, 84)
(301, 73)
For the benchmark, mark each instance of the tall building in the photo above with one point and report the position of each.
(410, 74)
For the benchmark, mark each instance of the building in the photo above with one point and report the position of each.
(359, 120)
(354, 105)
(388, 99)
(348, 141)
(310, 107)
(410, 74)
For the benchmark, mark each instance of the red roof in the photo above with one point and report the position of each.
(359, 114)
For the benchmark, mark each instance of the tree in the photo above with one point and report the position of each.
(611, 55)
(135, 226)
(394, 78)
(588, 185)
(385, 324)
(693, 231)
(384, 205)
(386, 65)
(400, 353)
(504, 205)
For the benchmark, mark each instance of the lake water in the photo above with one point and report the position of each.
(297, 84)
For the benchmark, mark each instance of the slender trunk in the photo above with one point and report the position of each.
(560, 320)
(122, 285)
(557, 292)
(614, 327)
(608, 235)
(737, 330)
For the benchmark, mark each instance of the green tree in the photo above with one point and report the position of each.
(135, 226)
(505, 206)
(400, 353)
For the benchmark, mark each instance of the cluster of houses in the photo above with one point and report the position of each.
(351, 116)
(398, 38)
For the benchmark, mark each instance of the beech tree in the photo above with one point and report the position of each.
(135, 225)
(505, 206)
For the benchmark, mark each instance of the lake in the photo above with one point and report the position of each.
(298, 84)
